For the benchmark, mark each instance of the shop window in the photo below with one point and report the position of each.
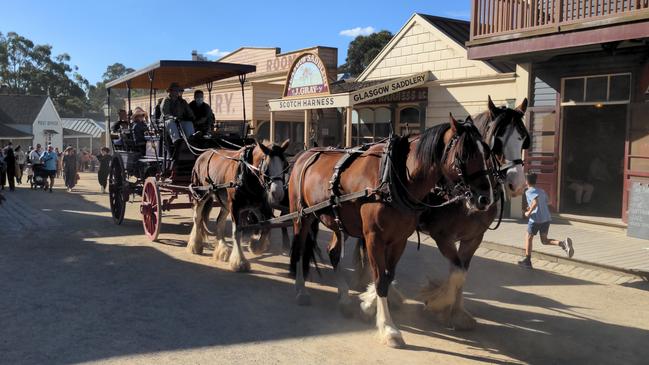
(597, 89)
(574, 90)
(620, 88)
(370, 125)
(409, 121)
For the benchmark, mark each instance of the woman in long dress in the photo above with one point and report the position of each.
(70, 168)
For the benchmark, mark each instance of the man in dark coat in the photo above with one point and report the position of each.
(10, 161)
(204, 118)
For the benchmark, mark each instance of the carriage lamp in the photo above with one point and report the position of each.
(599, 105)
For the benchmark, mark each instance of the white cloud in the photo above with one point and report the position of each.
(355, 32)
(217, 53)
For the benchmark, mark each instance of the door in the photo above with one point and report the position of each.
(543, 155)
(593, 159)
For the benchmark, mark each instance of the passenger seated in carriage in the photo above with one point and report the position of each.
(204, 118)
(177, 115)
(139, 128)
(122, 123)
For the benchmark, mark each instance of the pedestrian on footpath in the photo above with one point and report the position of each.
(539, 217)
(10, 164)
(104, 168)
(21, 158)
(3, 170)
(70, 161)
(50, 161)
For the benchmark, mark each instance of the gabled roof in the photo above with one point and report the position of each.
(7, 132)
(20, 109)
(83, 125)
(459, 31)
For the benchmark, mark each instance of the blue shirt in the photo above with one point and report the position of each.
(49, 159)
(541, 213)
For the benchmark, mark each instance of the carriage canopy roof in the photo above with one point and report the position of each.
(185, 73)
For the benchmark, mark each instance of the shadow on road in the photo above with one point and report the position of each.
(69, 298)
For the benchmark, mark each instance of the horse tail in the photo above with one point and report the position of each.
(307, 251)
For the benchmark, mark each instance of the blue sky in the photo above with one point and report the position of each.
(137, 33)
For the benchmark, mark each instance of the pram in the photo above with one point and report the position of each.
(39, 181)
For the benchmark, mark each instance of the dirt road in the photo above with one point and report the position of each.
(76, 288)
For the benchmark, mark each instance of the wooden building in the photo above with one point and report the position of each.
(427, 47)
(588, 86)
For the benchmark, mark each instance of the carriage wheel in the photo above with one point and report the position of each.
(117, 189)
(151, 209)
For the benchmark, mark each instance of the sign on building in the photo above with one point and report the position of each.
(307, 76)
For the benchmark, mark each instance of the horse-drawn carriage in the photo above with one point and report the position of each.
(159, 167)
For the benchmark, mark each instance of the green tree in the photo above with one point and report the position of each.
(31, 69)
(97, 93)
(362, 50)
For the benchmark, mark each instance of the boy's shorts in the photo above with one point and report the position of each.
(533, 228)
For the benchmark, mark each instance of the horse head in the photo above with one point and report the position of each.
(507, 138)
(273, 167)
(464, 163)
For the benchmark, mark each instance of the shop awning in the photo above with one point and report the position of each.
(50, 131)
(352, 97)
(83, 126)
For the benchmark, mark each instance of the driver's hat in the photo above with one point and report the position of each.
(174, 86)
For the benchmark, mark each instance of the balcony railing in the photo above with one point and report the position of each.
(491, 18)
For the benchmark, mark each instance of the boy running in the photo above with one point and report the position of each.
(539, 221)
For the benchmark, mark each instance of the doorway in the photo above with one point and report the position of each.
(593, 160)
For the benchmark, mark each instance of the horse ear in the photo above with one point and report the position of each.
(285, 144)
(453, 123)
(263, 148)
(493, 109)
(523, 107)
(469, 120)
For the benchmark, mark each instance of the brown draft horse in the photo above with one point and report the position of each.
(505, 130)
(258, 173)
(453, 152)
(507, 136)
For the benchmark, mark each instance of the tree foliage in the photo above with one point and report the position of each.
(362, 50)
(31, 69)
(27, 68)
(97, 93)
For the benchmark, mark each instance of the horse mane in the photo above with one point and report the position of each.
(431, 143)
(431, 147)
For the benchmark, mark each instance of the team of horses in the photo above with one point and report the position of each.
(447, 182)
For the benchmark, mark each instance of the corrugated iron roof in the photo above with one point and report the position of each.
(7, 132)
(20, 109)
(84, 125)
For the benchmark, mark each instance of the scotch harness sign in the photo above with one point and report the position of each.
(307, 76)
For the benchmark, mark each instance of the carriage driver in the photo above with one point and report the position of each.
(204, 121)
(175, 106)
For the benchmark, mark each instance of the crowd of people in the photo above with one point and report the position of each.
(39, 168)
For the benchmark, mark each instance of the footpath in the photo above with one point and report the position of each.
(595, 246)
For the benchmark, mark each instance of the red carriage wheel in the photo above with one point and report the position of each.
(151, 208)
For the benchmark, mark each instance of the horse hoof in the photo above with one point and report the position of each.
(346, 309)
(303, 299)
(196, 250)
(243, 266)
(222, 253)
(395, 342)
(462, 320)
